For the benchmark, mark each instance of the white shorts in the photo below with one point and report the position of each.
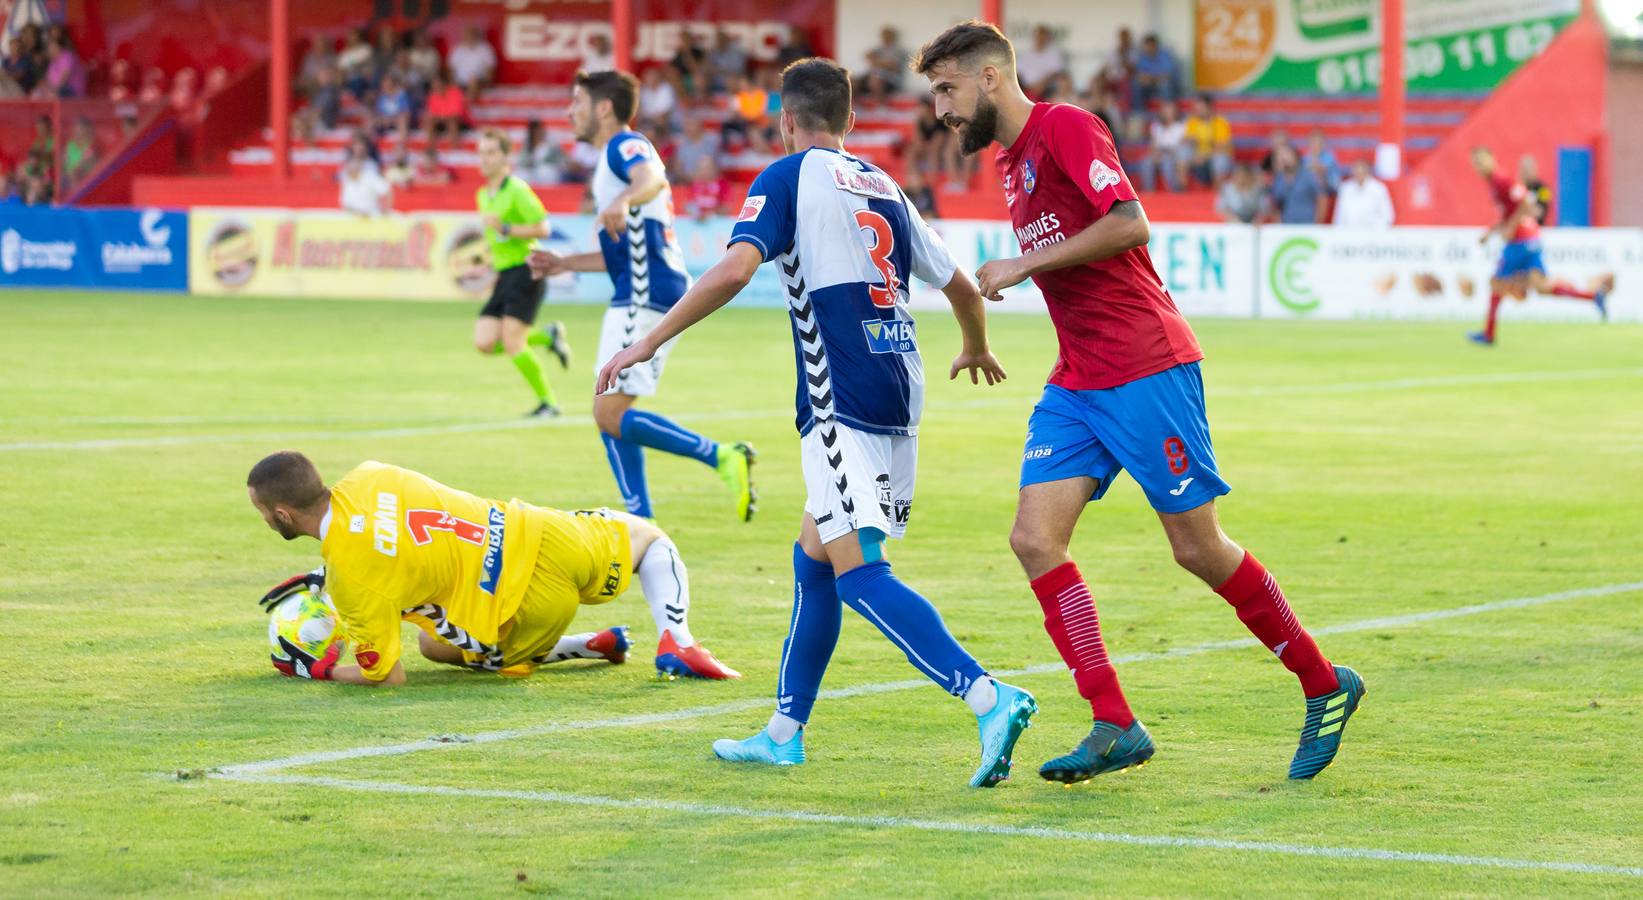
(624, 325)
(857, 479)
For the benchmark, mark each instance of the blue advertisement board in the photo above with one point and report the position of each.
(131, 249)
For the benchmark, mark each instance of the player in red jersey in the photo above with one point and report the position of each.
(1521, 268)
(1125, 394)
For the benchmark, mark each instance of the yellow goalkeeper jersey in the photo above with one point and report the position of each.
(399, 545)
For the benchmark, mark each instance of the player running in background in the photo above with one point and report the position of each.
(638, 249)
(846, 239)
(514, 217)
(1521, 268)
(492, 585)
(1125, 393)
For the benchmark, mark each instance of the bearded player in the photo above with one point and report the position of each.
(639, 251)
(1521, 268)
(492, 585)
(1125, 393)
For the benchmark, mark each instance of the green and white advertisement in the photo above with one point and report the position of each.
(1334, 46)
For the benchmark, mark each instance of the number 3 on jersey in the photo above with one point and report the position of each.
(880, 241)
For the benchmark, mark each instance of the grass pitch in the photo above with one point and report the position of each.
(1380, 470)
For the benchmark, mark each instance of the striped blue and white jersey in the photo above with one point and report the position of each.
(846, 239)
(646, 265)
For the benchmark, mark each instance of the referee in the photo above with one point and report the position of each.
(514, 217)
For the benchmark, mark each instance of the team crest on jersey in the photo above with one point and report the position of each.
(751, 207)
(893, 336)
(1029, 176)
(1101, 175)
(633, 148)
(366, 657)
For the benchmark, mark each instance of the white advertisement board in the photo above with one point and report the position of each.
(1435, 273)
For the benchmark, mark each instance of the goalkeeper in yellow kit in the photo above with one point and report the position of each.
(492, 585)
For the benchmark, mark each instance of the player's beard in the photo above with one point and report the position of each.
(287, 530)
(979, 130)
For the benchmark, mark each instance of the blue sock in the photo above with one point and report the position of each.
(912, 623)
(627, 463)
(647, 429)
(811, 636)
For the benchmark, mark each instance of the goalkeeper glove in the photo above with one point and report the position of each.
(302, 664)
(307, 580)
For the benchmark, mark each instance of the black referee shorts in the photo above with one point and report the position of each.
(516, 294)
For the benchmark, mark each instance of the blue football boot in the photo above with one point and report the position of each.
(1000, 728)
(1107, 748)
(761, 749)
(1325, 720)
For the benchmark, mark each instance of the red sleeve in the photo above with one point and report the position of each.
(1082, 146)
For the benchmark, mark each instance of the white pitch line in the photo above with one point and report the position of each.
(1365, 854)
(1395, 384)
(698, 712)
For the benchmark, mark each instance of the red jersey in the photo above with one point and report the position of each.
(1113, 318)
(1508, 194)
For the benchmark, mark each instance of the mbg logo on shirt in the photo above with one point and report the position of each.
(751, 208)
(1101, 175)
(894, 336)
(491, 570)
(633, 148)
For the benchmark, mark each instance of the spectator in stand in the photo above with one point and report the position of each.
(1117, 69)
(1209, 137)
(385, 53)
(325, 98)
(691, 66)
(1060, 89)
(22, 64)
(706, 190)
(1168, 155)
(363, 189)
(398, 173)
(404, 71)
(796, 48)
(1363, 201)
(80, 151)
(1298, 191)
(153, 87)
(37, 177)
(541, 161)
(1157, 77)
(320, 58)
(472, 63)
(597, 56)
(8, 191)
(886, 65)
(1035, 66)
(692, 147)
(362, 144)
(393, 110)
(447, 109)
(424, 57)
(727, 62)
(579, 165)
(9, 90)
(65, 73)
(927, 150)
(1320, 158)
(1102, 102)
(429, 170)
(355, 62)
(658, 102)
(1242, 197)
(1277, 143)
(747, 109)
(119, 81)
(919, 192)
(1133, 150)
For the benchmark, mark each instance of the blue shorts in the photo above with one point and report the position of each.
(1154, 426)
(1520, 257)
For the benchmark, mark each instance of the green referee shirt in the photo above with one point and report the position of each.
(514, 203)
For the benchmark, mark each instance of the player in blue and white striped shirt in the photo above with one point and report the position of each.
(846, 239)
(637, 248)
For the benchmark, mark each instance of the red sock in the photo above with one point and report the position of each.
(1494, 311)
(1261, 606)
(1565, 289)
(1069, 617)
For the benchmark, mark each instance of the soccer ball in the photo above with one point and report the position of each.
(308, 620)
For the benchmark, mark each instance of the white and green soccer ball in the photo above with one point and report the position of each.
(308, 620)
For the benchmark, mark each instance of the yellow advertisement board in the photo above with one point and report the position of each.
(289, 253)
